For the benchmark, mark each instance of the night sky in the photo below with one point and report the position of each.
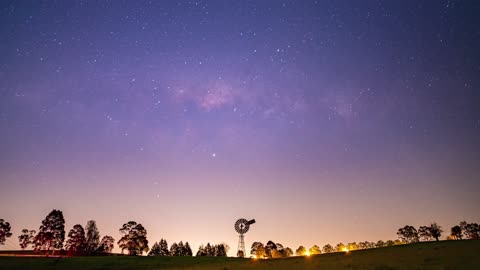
(326, 121)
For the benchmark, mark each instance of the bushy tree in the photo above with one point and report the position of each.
(301, 251)
(51, 233)
(155, 250)
(352, 246)
(164, 248)
(106, 245)
(26, 238)
(4, 231)
(435, 231)
(380, 244)
(258, 250)
(397, 242)
(269, 247)
(288, 252)
(470, 230)
(134, 238)
(428, 233)
(314, 250)
(424, 233)
(408, 234)
(281, 251)
(92, 237)
(389, 243)
(365, 245)
(456, 232)
(76, 239)
(328, 248)
(340, 247)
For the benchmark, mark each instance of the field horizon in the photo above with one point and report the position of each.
(458, 254)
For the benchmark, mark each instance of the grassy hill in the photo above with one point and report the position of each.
(433, 255)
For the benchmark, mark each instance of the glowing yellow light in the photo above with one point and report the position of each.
(254, 256)
(345, 249)
(307, 253)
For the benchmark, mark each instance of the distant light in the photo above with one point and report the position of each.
(345, 249)
(214, 155)
(307, 253)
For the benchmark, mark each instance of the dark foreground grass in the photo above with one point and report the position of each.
(433, 255)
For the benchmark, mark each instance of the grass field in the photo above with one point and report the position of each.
(433, 255)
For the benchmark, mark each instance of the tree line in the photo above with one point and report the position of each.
(464, 230)
(406, 234)
(86, 240)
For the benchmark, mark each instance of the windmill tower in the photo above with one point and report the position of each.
(241, 226)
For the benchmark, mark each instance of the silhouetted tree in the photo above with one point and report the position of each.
(106, 245)
(155, 250)
(428, 233)
(328, 248)
(472, 231)
(269, 247)
(180, 249)
(280, 252)
(301, 251)
(188, 250)
(258, 250)
(397, 242)
(424, 233)
(92, 237)
(380, 244)
(51, 233)
(219, 250)
(226, 246)
(288, 252)
(463, 226)
(389, 243)
(365, 245)
(26, 238)
(4, 231)
(435, 231)
(408, 234)
(201, 251)
(76, 239)
(174, 249)
(352, 246)
(134, 238)
(209, 250)
(456, 232)
(340, 247)
(314, 250)
(164, 248)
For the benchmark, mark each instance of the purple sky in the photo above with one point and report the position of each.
(326, 121)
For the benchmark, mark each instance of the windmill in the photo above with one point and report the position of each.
(241, 226)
